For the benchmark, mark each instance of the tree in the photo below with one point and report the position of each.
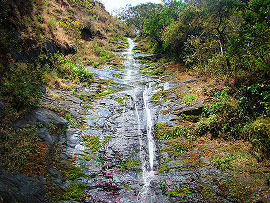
(136, 16)
(160, 21)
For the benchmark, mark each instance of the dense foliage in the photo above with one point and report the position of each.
(227, 40)
(211, 36)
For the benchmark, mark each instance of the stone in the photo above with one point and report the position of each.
(47, 137)
(20, 188)
(43, 90)
(2, 110)
(43, 116)
(195, 109)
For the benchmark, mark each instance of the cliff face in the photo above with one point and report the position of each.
(33, 31)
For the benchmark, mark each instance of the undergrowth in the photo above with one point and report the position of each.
(22, 150)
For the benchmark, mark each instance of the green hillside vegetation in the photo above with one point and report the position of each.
(44, 42)
(227, 41)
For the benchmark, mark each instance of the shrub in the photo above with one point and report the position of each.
(83, 74)
(189, 98)
(258, 132)
(21, 85)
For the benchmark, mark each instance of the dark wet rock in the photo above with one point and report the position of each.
(34, 50)
(43, 116)
(54, 173)
(47, 137)
(43, 90)
(86, 34)
(20, 188)
(2, 110)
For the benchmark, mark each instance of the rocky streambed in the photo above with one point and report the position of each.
(117, 152)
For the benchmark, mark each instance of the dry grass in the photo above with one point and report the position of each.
(244, 173)
(23, 151)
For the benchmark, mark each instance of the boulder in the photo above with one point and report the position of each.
(2, 110)
(47, 137)
(42, 116)
(195, 109)
(20, 188)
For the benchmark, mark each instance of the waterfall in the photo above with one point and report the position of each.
(149, 126)
(147, 144)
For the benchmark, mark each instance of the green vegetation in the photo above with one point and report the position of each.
(223, 163)
(92, 142)
(121, 100)
(127, 187)
(178, 192)
(153, 71)
(21, 85)
(72, 172)
(164, 168)
(22, 150)
(189, 98)
(73, 192)
(106, 140)
(206, 35)
(130, 165)
(162, 132)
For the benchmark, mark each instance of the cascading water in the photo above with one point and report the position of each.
(145, 194)
(149, 126)
(147, 145)
(127, 168)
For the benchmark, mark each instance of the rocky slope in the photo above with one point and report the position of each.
(38, 38)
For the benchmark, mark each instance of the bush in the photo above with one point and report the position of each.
(63, 67)
(258, 132)
(255, 100)
(83, 74)
(21, 84)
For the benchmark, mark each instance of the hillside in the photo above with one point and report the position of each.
(44, 47)
(41, 32)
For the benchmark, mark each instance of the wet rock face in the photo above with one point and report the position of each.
(19, 187)
(118, 168)
(44, 119)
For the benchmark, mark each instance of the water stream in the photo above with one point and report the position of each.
(126, 168)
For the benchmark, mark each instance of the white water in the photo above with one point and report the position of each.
(147, 146)
(147, 149)
(149, 126)
(145, 195)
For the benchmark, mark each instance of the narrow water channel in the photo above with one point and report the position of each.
(125, 164)
(125, 116)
